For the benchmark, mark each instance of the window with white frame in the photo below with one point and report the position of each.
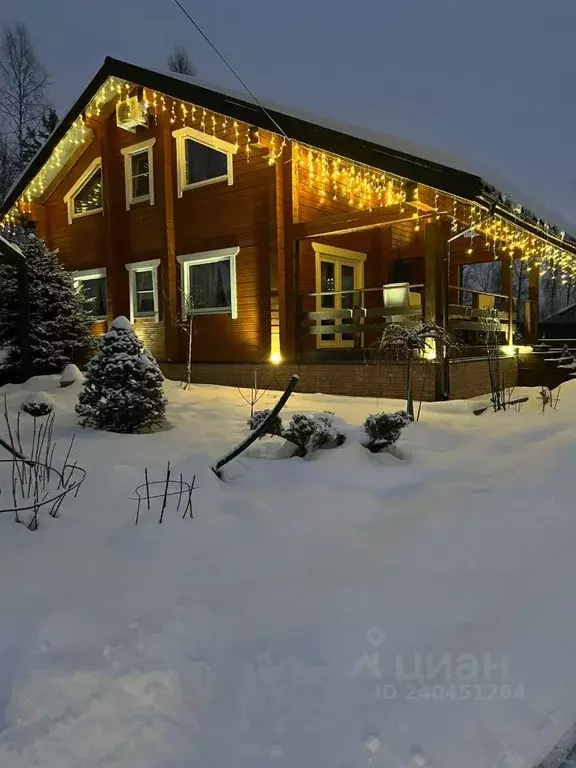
(85, 197)
(208, 282)
(92, 282)
(139, 173)
(144, 289)
(339, 283)
(202, 159)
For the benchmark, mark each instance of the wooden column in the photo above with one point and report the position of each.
(436, 296)
(532, 305)
(116, 239)
(24, 324)
(507, 290)
(436, 273)
(171, 304)
(286, 203)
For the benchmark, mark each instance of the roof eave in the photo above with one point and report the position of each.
(10, 254)
(60, 131)
(444, 178)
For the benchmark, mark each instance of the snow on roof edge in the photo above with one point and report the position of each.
(559, 312)
(495, 186)
(13, 246)
(489, 177)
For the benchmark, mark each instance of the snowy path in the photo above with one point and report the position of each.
(275, 628)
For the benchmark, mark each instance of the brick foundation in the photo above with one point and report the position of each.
(468, 378)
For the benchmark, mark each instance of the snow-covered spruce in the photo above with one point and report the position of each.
(38, 404)
(123, 388)
(306, 433)
(60, 319)
(384, 429)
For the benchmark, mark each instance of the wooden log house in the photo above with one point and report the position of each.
(290, 242)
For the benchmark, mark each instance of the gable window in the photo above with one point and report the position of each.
(144, 289)
(202, 159)
(85, 197)
(92, 282)
(139, 173)
(208, 281)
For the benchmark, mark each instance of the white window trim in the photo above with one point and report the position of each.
(181, 134)
(80, 275)
(209, 257)
(143, 266)
(338, 256)
(128, 152)
(72, 192)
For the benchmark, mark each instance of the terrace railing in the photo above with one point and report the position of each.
(471, 310)
(347, 315)
(353, 318)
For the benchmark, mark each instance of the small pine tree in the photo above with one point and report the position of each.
(384, 429)
(60, 318)
(123, 387)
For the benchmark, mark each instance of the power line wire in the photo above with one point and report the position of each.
(236, 75)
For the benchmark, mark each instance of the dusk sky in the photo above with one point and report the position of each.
(493, 81)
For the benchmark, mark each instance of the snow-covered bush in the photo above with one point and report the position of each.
(60, 318)
(38, 404)
(259, 417)
(70, 375)
(384, 429)
(310, 433)
(123, 387)
(307, 433)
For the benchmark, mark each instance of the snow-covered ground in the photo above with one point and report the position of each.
(282, 626)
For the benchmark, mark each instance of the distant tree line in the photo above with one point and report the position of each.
(556, 292)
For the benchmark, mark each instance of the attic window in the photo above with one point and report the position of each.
(139, 173)
(85, 197)
(202, 159)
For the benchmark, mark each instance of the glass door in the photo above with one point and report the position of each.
(335, 276)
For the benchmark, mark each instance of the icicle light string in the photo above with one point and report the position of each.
(328, 176)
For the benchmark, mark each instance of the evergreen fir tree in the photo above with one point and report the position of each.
(123, 387)
(35, 137)
(61, 322)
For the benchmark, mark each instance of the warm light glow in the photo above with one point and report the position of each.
(429, 352)
(275, 358)
(396, 294)
(516, 349)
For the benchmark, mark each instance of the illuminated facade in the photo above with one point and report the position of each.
(282, 238)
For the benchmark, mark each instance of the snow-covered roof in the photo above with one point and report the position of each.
(10, 252)
(388, 153)
(504, 188)
(566, 315)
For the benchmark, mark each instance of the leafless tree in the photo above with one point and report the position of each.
(552, 289)
(23, 85)
(180, 62)
(6, 167)
(405, 341)
(482, 277)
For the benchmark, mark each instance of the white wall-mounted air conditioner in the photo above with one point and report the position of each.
(130, 113)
